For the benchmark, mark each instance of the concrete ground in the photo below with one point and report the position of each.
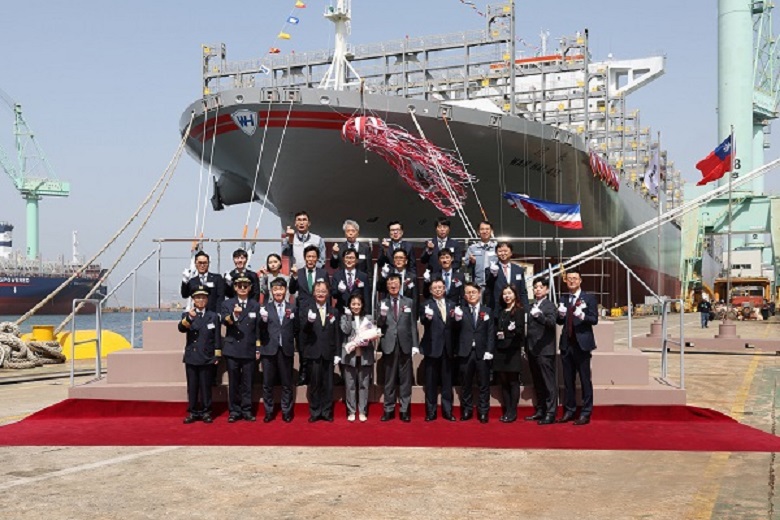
(194, 482)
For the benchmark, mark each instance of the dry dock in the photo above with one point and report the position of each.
(194, 482)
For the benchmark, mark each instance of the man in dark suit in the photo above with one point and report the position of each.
(398, 323)
(302, 283)
(240, 258)
(201, 352)
(201, 277)
(476, 345)
(502, 273)
(349, 280)
(278, 332)
(351, 232)
(436, 346)
(319, 342)
(240, 348)
(578, 314)
(393, 244)
(541, 353)
(454, 282)
(442, 241)
(400, 267)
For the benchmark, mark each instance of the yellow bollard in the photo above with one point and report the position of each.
(43, 332)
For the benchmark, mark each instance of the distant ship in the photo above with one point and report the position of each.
(271, 129)
(24, 283)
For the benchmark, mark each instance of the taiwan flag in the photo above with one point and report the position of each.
(561, 215)
(717, 163)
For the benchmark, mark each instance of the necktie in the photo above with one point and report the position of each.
(203, 279)
(349, 280)
(441, 245)
(570, 318)
(310, 278)
(280, 311)
(474, 312)
(395, 308)
(506, 272)
(442, 309)
(322, 315)
(352, 246)
(447, 281)
(200, 314)
(243, 305)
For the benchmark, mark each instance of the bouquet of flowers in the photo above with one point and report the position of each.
(366, 333)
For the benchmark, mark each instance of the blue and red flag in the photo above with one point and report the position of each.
(717, 163)
(561, 215)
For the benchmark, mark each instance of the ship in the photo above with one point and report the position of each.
(271, 132)
(25, 283)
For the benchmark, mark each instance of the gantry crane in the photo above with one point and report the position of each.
(31, 173)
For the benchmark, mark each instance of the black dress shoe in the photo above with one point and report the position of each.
(302, 381)
(430, 417)
(287, 417)
(207, 418)
(328, 418)
(447, 417)
(190, 419)
(268, 418)
(313, 419)
(406, 417)
(547, 419)
(233, 418)
(466, 416)
(249, 417)
(535, 417)
(387, 416)
(567, 417)
(582, 420)
(505, 419)
(483, 418)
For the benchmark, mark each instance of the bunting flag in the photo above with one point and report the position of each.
(299, 4)
(283, 36)
(293, 20)
(264, 70)
(274, 50)
(653, 173)
(601, 168)
(561, 215)
(717, 163)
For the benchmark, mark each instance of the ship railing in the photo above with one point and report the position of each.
(665, 340)
(133, 274)
(98, 340)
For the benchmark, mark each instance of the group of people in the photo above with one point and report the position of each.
(473, 308)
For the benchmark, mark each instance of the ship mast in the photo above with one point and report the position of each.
(336, 77)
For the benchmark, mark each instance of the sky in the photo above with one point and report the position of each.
(103, 85)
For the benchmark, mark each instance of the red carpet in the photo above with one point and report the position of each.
(82, 422)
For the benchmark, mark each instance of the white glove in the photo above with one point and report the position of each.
(342, 286)
(579, 314)
(311, 316)
(494, 268)
(487, 357)
(511, 326)
(415, 351)
(535, 311)
(458, 314)
(186, 275)
(336, 360)
(347, 312)
(228, 278)
(428, 312)
(427, 275)
(561, 309)
(385, 270)
(582, 305)
(383, 308)
(263, 314)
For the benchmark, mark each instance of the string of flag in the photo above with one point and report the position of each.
(291, 21)
(603, 170)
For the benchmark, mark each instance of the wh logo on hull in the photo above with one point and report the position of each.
(246, 120)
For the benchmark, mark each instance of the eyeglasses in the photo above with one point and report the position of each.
(242, 286)
(202, 263)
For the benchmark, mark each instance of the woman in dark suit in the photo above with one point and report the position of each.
(507, 362)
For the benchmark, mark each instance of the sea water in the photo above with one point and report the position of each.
(119, 322)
